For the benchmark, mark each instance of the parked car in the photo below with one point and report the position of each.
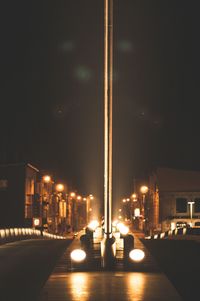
(182, 224)
(196, 225)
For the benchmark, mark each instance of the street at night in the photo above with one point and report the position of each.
(99, 150)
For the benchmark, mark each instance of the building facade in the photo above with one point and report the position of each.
(29, 198)
(17, 192)
(174, 197)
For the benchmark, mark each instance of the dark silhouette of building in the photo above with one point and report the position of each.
(17, 190)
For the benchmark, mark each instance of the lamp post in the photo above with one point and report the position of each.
(144, 189)
(191, 203)
(46, 198)
(61, 207)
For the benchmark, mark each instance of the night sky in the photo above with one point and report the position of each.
(51, 58)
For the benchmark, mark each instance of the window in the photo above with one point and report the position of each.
(197, 205)
(3, 184)
(181, 205)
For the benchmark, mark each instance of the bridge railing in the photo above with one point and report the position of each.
(174, 232)
(14, 234)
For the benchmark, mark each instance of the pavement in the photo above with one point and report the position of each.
(26, 265)
(66, 283)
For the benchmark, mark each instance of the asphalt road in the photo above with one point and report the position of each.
(26, 265)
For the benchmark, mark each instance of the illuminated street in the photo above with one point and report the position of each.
(119, 286)
(99, 150)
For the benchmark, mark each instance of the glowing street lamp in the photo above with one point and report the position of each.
(134, 197)
(72, 194)
(46, 179)
(144, 189)
(60, 187)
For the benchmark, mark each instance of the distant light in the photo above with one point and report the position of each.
(137, 212)
(115, 223)
(72, 194)
(124, 230)
(46, 179)
(78, 255)
(36, 222)
(137, 255)
(79, 197)
(144, 189)
(91, 197)
(93, 225)
(134, 196)
(124, 200)
(119, 216)
(59, 187)
(120, 210)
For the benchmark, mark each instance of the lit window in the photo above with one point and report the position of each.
(3, 184)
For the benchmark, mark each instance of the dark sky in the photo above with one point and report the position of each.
(51, 92)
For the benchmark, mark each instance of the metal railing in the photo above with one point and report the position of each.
(15, 234)
(174, 232)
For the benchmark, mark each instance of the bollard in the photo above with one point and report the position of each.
(85, 242)
(108, 253)
(89, 233)
(128, 246)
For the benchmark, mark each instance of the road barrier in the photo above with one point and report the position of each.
(15, 234)
(174, 232)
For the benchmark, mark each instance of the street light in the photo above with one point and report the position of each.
(144, 189)
(191, 203)
(60, 187)
(46, 179)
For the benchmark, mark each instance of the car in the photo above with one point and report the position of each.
(196, 225)
(182, 224)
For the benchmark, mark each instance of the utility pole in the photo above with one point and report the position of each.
(108, 248)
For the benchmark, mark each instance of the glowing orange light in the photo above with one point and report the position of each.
(144, 189)
(59, 187)
(46, 179)
(72, 194)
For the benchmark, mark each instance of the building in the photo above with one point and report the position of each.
(17, 193)
(29, 198)
(173, 196)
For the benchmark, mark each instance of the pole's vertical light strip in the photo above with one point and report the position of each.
(108, 78)
(105, 114)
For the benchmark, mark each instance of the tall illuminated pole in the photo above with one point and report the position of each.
(108, 77)
(108, 245)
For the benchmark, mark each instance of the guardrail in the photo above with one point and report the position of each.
(179, 231)
(14, 234)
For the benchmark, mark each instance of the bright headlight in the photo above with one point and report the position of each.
(78, 255)
(137, 255)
